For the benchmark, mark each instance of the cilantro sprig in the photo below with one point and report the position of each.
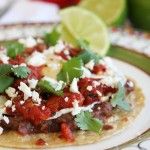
(5, 69)
(7, 73)
(21, 71)
(70, 70)
(52, 37)
(14, 48)
(87, 54)
(119, 99)
(85, 121)
(47, 87)
(5, 82)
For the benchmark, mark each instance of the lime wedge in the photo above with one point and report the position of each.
(113, 12)
(78, 23)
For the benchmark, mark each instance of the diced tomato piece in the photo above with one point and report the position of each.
(63, 55)
(39, 47)
(104, 89)
(99, 68)
(36, 72)
(40, 142)
(66, 132)
(1, 62)
(107, 127)
(92, 96)
(74, 52)
(17, 60)
(55, 103)
(83, 83)
(32, 112)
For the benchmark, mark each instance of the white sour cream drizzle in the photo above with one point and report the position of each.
(68, 110)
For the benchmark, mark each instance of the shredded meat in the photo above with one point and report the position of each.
(103, 111)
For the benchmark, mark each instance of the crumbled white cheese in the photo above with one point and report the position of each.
(43, 107)
(22, 64)
(13, 108)
(36, 59)
(95, 83)
(57, 85)
(8, 103)
(59, 46)
(68, 57)
(36, 98)
(26, 90)
(108, 81)
(105, 98)
(54, 66)
(39, 40)
(86, 73)
(66, 99)
(2, 111)
(22, 102)
(11, 92)
(32, 83)
(1, 130)
(130, 83)
(49, 51)
(113, 119)
(66, 52)
(90, 64)
(28, 42)
(89, 88)
(6, 119)
(74, 86)
(76, 109)
(99, 108)
(99, 93)
(4, 58)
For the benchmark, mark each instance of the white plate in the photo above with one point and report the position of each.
(141, 123)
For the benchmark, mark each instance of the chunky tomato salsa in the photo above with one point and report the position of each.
(52, 86)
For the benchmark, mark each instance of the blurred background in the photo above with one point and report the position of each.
(128, 23)
(17, 11)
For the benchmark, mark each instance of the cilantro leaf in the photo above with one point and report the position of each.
(5, 69)
(87, 54)
(21, 71)
(5, 82)
(14, 48)
(47, 87)
(85, 121)
(70, 70)
(52, 37)
(119, 99)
